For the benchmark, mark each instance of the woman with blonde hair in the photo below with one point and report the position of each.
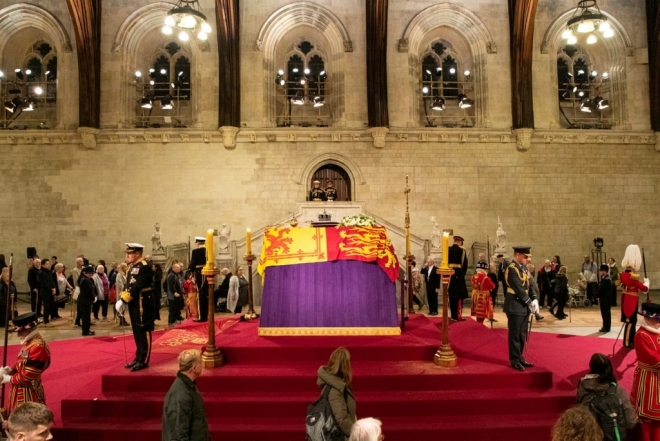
(335, 379)
(577, 424)
(238, 293)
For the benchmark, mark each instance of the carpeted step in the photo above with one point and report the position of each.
(368, 376)
(383, 404)
(488, 427)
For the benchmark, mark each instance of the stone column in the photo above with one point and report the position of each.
(521, 30)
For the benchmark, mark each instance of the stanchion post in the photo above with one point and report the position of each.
(251, 314)
(445, 356)
(212, 356)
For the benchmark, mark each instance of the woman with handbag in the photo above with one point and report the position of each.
(239, 287)
(62, 287)
(337, 375)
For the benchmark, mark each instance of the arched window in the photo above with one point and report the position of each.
(445, 89)
(29, 93)
(166, 93)
(583, 90)
(340, 179)
(302, 91)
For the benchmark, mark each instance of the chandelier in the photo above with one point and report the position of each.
(586, 20)
(188, 17)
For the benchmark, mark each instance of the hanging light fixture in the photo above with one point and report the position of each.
(187, 16)
(464, 102)
(438, 103)
(166, 103)
(586, 20)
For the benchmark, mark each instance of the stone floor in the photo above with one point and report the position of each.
(583, 321)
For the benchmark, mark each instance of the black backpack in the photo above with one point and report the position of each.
(609, 412)
(320, 423)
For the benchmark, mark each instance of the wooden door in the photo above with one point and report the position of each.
(338, 176)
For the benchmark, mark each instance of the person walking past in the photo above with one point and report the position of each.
(604, 295)
(561, 294)
(46, 290)
(238, 292)
(590, 270)
(86, 299)
(184, 413)
(338, 376)
(103, 288)
(546, 282)
(174, 295)
(33, 281)
(190, 287)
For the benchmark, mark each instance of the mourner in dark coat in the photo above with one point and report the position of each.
(604, 295)
(184, 415)
(457, 287)
(86, 298)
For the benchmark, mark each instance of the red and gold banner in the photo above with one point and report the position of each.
(290, 246)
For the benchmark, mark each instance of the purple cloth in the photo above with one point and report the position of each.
(345, 293)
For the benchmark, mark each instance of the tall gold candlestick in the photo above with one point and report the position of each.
(445, 251)
(210, 257)
(248, 242)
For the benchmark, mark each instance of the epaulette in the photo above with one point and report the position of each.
(634, 276)
(143, 262)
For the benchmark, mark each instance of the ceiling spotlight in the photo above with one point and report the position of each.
(180, 74)
(438, 69)
(280, 72)
(302, 82)
(605, 76)
(146, 103)
(28, 72)
(138, 74)
(580, 72)
(604, 26)
(609, 33)
(428, 72)
(169, 21)
(173, 85)
(425, 90)
(2, 74)
(587, 17)
(163, 71)
(587, 105)
(282, 82)
(166, 103)
(438, 103)
(183, 36)
(319, 101)
(38, 90)
(298, 99)
(566, 34)
(592, 39)
(464, 102)
(322, 73)
(12, 105)
(188, 22)
(202, 36)
(28, 106)
(452, 71)
(295, 70)
(19, 74)
(581, 94)
(167, 30)
(152, 82)
(602, 103)
(571, 40)
(206, 28)
(575, 89)
(306, 71)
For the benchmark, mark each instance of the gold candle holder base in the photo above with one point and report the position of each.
(445, 357)
(251, 314)
(212, 356)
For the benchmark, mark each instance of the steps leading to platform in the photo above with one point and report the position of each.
(456, 428)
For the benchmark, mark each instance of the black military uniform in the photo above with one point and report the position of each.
(604, 295)
(317, 194)
(139, 297)
(517, 302)
(457, 290)
(197, 262)
(331, 193)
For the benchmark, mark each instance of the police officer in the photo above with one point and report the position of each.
(139, 298)
(519, 303)
(197, 262)
(330, 191)
(457, 290)
(317, 194)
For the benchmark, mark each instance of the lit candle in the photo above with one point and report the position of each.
(248, 242)
(210, 258)
(445, 250)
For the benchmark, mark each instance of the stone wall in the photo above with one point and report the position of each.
(65, 197)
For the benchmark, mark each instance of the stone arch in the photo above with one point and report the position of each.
(284, 20)
(618, 48)
(20, 16)
(479, 40)
(129, 37)
(342, 161)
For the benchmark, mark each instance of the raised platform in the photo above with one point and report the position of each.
(263, 392)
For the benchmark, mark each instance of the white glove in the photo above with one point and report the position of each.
(647, 283)
(95, 299)
(534, 306)
(6, 379)
(5, 370)
(120, 307)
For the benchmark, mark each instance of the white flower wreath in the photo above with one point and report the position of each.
(359, 220)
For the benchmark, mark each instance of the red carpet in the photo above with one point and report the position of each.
(264, 390)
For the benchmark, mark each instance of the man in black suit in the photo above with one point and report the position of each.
(430, 273)
(457, 289)
(604, 295)
(197, 262)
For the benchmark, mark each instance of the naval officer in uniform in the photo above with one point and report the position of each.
(519, 303)
(138, 296)
(197, 262)
(330, 191)
(317, 194)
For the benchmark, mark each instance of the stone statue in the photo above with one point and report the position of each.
(501, 236)
(223, 237)
(435, 235)
(156, 245)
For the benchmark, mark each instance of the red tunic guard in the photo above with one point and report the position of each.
(629, 304)
(482, 303)
(645, 393)
(32, 361)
